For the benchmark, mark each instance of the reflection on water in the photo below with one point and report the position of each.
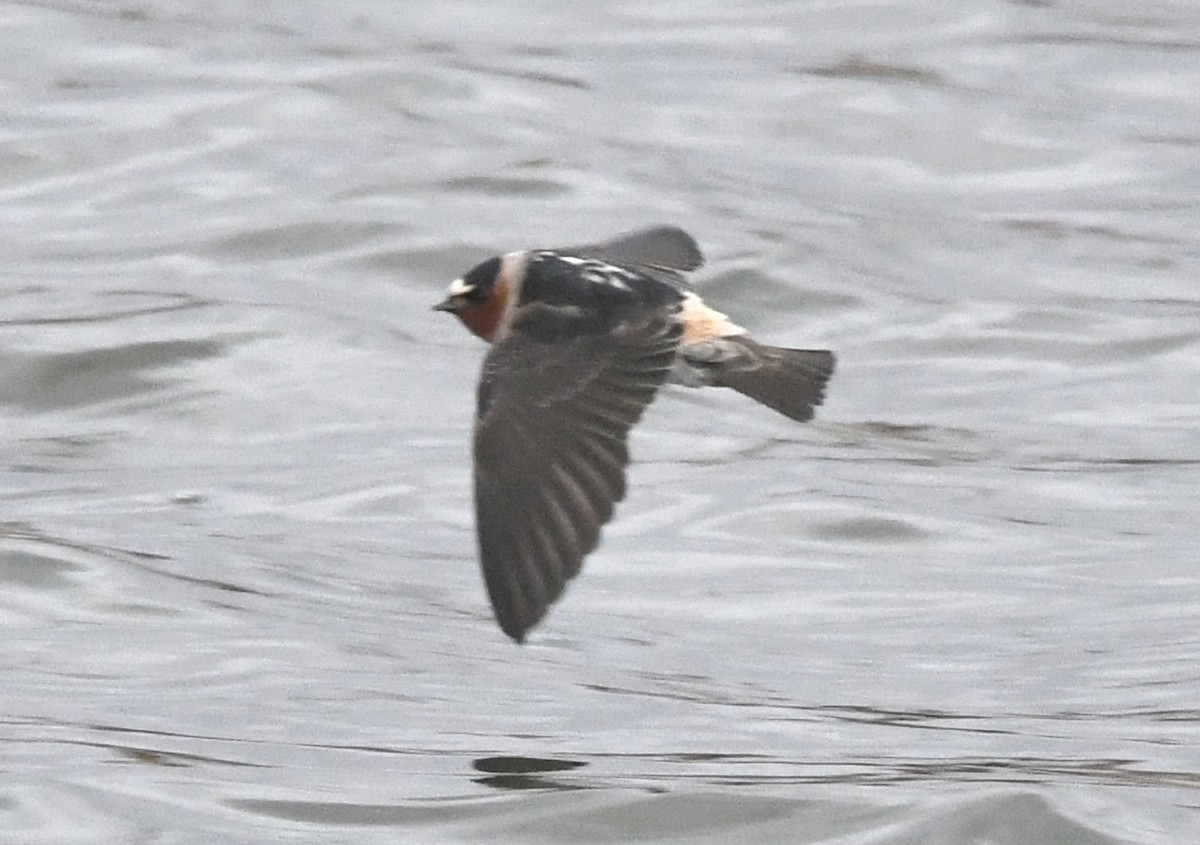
(518, 773)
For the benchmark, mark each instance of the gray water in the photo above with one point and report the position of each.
(239, 600)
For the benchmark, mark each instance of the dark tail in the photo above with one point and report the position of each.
(790, 381)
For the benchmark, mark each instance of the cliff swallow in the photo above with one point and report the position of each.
(582, 338)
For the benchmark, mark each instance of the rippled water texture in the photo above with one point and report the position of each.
(238, 592)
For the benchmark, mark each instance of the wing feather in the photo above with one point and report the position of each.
(551, 451)
(661, 252)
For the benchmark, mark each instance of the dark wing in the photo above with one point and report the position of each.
(661, 252)
(554, 414)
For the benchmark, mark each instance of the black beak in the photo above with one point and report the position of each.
(450, 304)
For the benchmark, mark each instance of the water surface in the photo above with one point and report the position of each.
(237, 581)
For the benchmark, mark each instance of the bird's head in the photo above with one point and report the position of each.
(478, 298)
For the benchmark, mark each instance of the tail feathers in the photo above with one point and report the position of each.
(790, 381)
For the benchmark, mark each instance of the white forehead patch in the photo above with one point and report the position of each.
(460, 288)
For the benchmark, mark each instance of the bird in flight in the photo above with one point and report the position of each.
(581, 340)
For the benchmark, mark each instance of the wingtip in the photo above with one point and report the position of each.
(514, 629)
(681, 248)
(661, 247)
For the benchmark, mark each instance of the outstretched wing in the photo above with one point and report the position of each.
(661, 252)
(554, 412)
